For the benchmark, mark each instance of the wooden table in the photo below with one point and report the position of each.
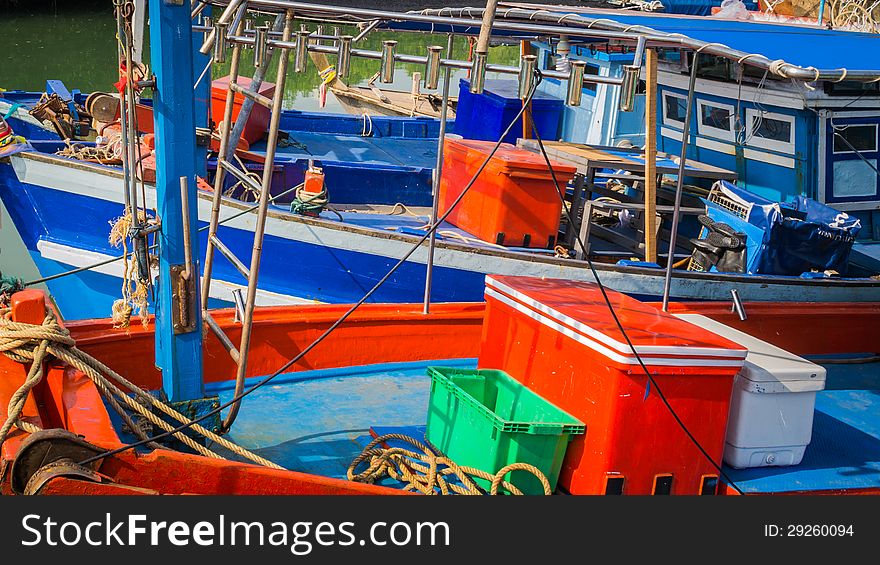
(591, 159)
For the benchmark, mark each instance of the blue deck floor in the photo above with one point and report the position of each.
(319, 421)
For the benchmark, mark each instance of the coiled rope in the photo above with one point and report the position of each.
(429, 473)
(34, 344)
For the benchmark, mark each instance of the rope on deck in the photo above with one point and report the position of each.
(34, 344)
(429, 473)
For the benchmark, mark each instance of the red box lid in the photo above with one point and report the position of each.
(510, 157)
(578, 310)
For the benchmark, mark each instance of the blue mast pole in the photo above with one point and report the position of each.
(178, 314)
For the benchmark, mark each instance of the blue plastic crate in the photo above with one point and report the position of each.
(485, 116)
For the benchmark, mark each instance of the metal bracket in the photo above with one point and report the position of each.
(183, 303)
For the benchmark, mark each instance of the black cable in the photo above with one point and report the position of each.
(567, 212)
(346, 315)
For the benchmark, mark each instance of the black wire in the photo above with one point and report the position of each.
(346, 315)
(653, 382)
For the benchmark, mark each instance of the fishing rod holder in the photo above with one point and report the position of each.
(388, 57)
(302, 47)
(343, 61)
(478, 73)
(528, 64)
(630, 85)
(220, 42)
(386, 69)
(261, 45)
(575, 82)
(432, 67)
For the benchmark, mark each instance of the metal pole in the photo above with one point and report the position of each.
(178, 348)
(438, 168)
(682, 160)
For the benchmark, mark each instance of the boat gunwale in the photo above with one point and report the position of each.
(763, 280)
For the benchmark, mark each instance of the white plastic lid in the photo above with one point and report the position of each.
(766, 363)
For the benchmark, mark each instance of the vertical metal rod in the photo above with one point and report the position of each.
(432, 67)
(260, 228)
(220, 175)
(343, 60)
(682, 161)
(387, 64)
(438, 171)
(527, 66)
(481, 51)
(650, 215)
(575, 82)
(302, 46)
(187, 236)
(220, 42)
(261, 46)
(123, 114)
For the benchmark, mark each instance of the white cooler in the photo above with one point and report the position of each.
(771, 409)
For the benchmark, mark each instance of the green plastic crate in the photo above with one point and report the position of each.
(486, 419)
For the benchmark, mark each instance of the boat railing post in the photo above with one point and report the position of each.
(682, 161)
(435, 188)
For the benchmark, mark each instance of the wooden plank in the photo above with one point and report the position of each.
(650, 215)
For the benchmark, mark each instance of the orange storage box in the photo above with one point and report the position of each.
(513, 202)
(258, 122)
(559, 339)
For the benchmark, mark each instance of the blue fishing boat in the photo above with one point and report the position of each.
(62, 207)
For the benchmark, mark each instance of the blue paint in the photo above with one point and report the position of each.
(57, 87)
(201, 95)
(319, 421)
(298, 269)
(178, 356)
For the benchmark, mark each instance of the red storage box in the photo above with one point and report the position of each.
(513, 202)
(560, 340)
(258, 122)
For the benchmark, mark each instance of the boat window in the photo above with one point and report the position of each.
(674, 109)
(770, 130)
(849, 139)
(713, 67)
(716, 120)
(716, 117)
(854, 178)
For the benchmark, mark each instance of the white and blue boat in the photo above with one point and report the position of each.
(62, 206)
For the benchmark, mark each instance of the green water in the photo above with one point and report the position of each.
(75, 42)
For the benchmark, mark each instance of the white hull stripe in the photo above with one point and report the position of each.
(220, 289)
(525, 304)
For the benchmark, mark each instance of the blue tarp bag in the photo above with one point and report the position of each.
(795, 237)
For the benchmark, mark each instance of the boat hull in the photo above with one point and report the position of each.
(63, 208)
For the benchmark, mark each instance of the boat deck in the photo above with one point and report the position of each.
(844, 453)
(318, 421)
(398, 151)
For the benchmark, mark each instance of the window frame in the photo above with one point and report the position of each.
(753, 140)
(850, 151)
(711, 131)
(667, 121)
